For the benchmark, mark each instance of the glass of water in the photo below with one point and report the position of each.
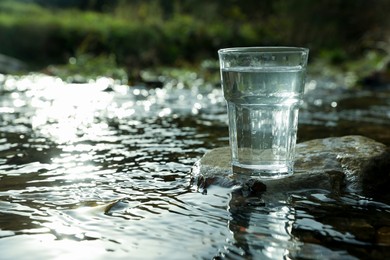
(263, 88)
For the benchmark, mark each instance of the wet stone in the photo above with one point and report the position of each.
(383, 235)
(349, 163)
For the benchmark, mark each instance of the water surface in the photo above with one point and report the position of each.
(102, 170)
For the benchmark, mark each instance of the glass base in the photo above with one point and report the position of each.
(268, 171)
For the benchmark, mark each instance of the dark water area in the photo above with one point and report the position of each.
(103, 171)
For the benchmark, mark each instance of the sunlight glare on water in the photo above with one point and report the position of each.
(102, 171)
(82, 162)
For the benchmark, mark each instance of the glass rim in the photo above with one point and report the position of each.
(263, 49)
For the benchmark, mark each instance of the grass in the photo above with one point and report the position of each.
(133, 37)
(40, 35)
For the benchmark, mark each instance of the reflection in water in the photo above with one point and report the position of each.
(261, 227)
(314, 224)
(101, 170)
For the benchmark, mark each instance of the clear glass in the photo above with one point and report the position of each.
(263, 88)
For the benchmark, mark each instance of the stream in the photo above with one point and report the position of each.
(103, 171)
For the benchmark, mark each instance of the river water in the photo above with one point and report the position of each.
(103, 171)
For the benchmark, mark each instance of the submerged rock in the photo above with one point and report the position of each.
(352, 163)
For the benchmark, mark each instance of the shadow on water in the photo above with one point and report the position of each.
(103, 170)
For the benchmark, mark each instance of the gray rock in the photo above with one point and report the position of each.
(11, 65)
(349, 163)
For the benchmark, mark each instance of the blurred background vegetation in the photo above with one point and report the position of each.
(134, 34)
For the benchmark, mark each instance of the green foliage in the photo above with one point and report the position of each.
(84, 67)
(143, 33)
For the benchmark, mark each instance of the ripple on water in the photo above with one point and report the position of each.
(103, 171)
(342, 223)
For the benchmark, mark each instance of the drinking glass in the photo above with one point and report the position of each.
(263, 88)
